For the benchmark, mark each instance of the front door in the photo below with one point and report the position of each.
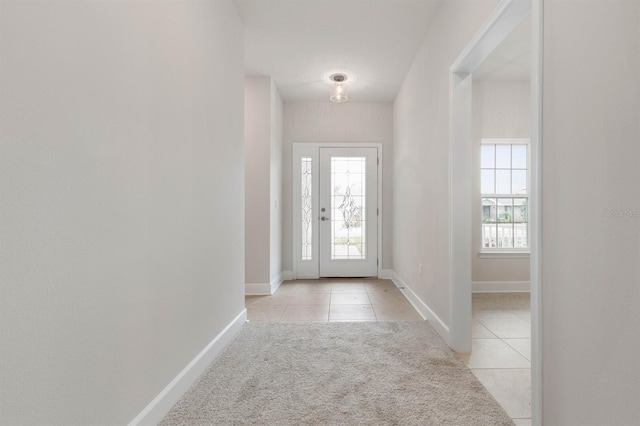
(348, 216)
(338, 211)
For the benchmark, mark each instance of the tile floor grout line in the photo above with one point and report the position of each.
(499, 368)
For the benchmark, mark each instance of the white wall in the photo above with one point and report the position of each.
(257, 146)
(421, 155)
(591, 213)
(500, 109)
(275, 190)
(263, 182)
(330, 122)
(122, 214)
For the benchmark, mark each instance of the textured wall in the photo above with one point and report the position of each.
(591, 213)
(122, 216)
(330, 122)
(501, 109)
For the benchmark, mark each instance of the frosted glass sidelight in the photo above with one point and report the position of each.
(306, 203)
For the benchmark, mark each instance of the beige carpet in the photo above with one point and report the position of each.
(376, 373)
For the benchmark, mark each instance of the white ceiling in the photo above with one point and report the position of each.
(511, 60)
(299, 42)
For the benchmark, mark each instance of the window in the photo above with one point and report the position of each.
(504, 185)
(306, 208)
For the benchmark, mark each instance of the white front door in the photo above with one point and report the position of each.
(337, 208)
(348, 212)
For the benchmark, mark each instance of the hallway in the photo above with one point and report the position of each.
(501, 327)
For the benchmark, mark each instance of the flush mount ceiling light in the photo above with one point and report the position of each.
(338, 93)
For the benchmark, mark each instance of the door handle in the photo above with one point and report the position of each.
(324, 218)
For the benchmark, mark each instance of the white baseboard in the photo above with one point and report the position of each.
(423, 309)
(275, 283)
(287, 275)
(501, 286)
(386, 274)
(157, 409)
(257, 289)
(263, 289)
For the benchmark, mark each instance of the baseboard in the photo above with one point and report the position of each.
(287, 275)
(263, 289)
(275, 283)
(386, 274)
(501, 286)
(423, 309)
(157, 409)
(257, 289)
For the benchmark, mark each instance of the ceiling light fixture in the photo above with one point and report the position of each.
(338, 93)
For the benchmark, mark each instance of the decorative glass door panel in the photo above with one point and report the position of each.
(348, 212)
(306, 208)
(348, 208)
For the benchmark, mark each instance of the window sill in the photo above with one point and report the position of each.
(503, 254)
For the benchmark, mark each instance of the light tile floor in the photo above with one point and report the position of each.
(332, 300)
(501, 350)
(501, 345)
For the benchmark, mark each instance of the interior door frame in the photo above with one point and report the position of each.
(312, 149)
(507, 15)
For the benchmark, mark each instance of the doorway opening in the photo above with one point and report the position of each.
(507, 17)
